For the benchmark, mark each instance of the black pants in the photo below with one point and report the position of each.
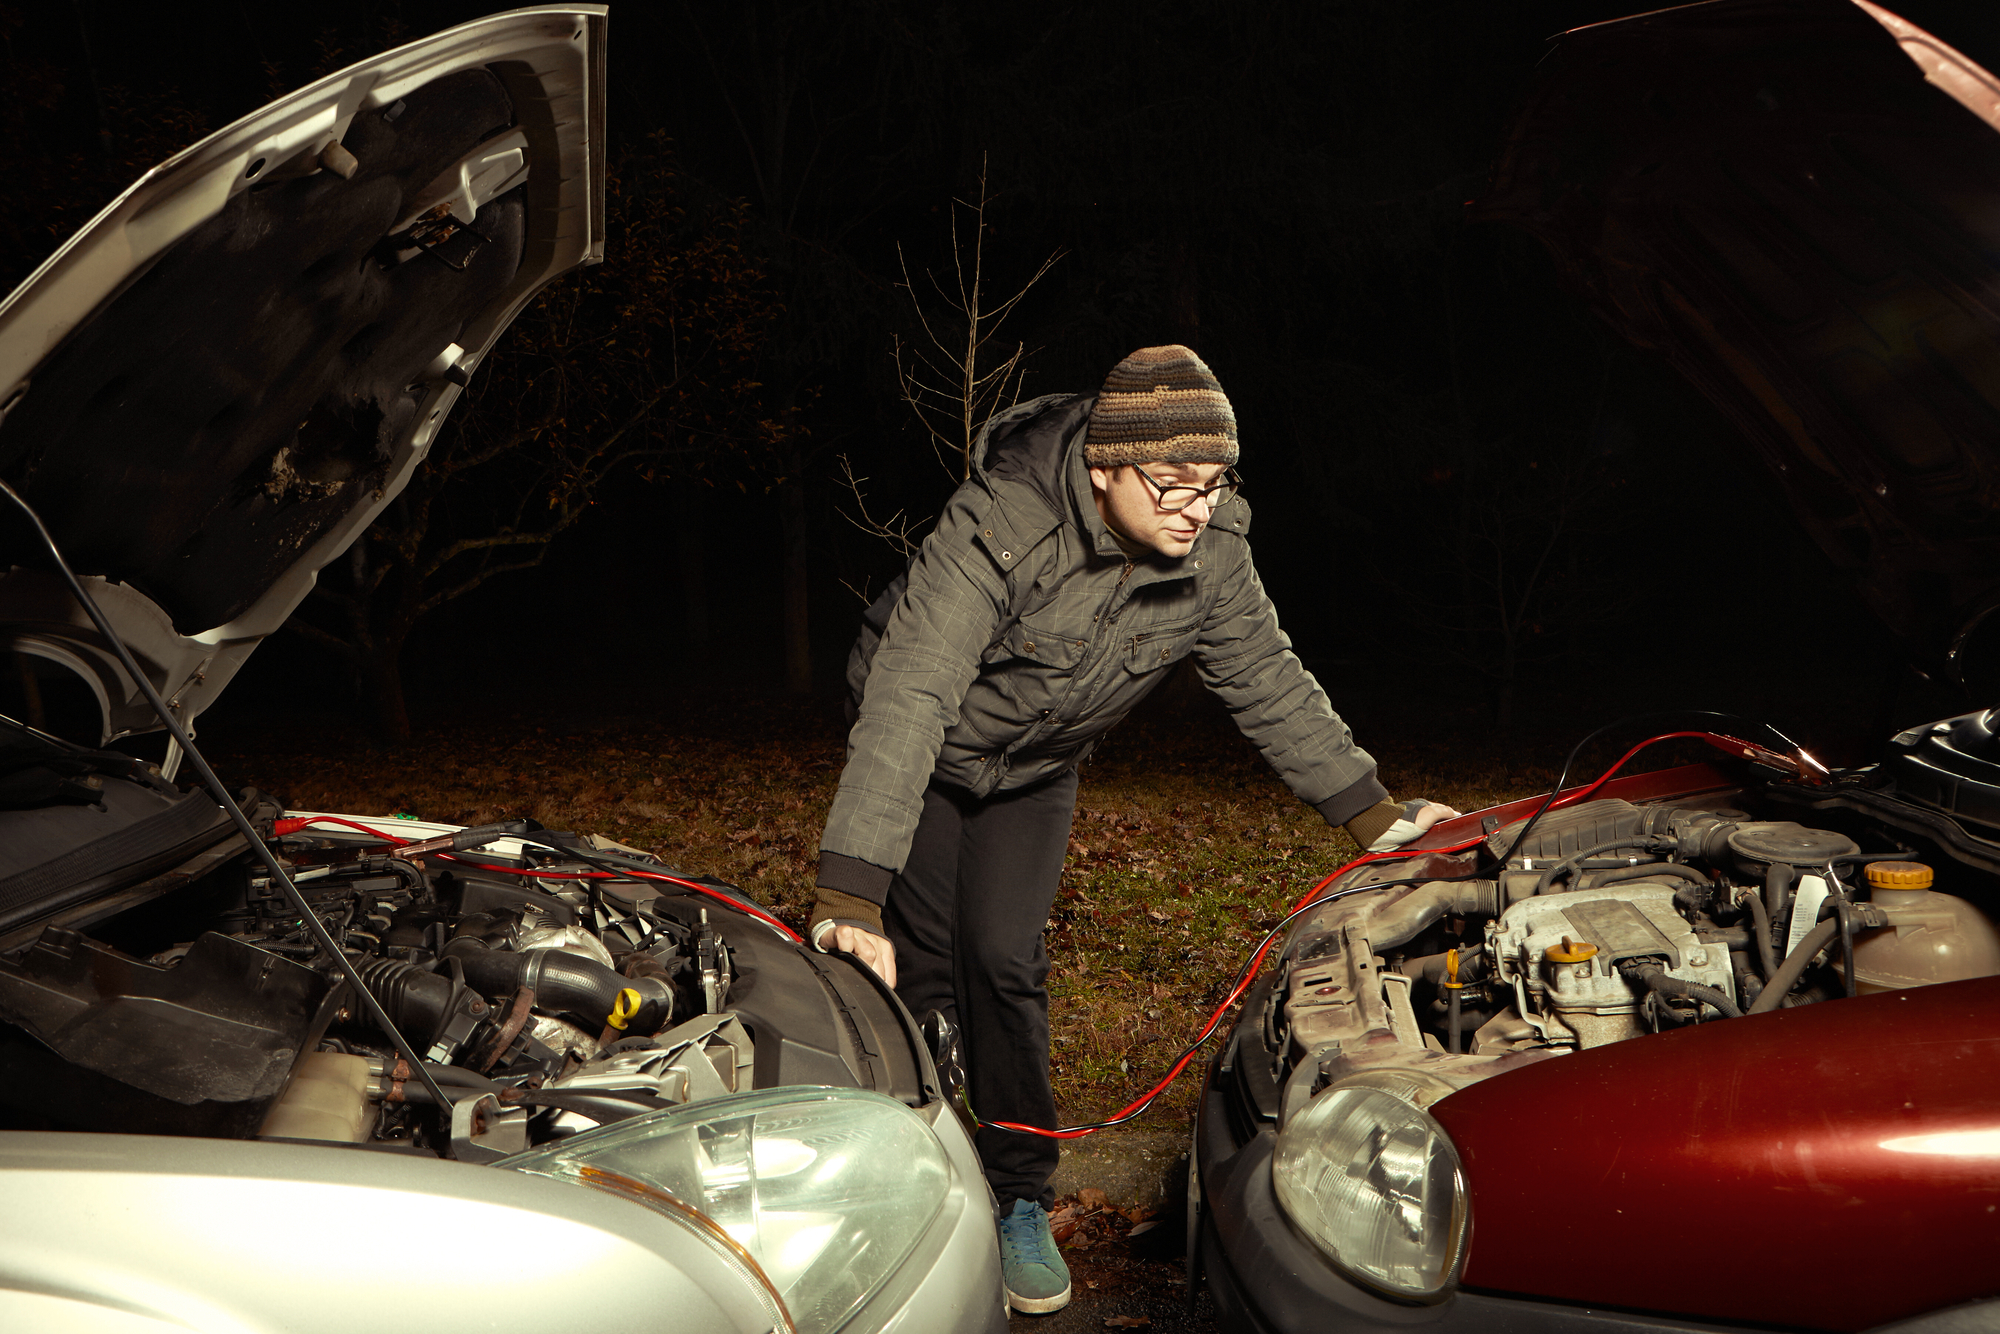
(966, 918)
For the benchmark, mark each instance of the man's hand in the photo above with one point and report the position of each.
(870, 948)
(1431, 812)
(1418, 816)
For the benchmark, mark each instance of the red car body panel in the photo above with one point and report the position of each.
(1835, 1166)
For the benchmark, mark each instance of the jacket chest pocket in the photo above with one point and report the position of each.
(1053, 646)
(1150, 650)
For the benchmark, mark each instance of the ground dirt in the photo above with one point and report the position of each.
(1186, 851)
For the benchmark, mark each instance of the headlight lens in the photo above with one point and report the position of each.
(827, 1190)
(1377, 1186)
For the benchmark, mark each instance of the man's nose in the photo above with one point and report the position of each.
(1199, 511)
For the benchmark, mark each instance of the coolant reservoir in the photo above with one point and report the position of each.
(327, 1099)
(1931, 937)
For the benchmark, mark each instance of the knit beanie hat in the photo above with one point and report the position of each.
(1160, 405)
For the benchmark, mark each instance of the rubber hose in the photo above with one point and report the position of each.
(1402, 920)
(1767, 948)
(601, 1105)
(460, 1077)
(1568, 863)
(1749, 986)
(418, 1000)
(1843, 913)
(563, 982)
(1777, 889)
(1788, 973)
(1651, 871)
(1669, 985)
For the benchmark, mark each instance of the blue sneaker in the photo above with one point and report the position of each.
(1031, 1267)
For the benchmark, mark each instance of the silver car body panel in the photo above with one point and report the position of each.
(131, 1232)
(554, 55)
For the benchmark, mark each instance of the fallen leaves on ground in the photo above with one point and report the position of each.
(1172, 867)
(1088, 1219)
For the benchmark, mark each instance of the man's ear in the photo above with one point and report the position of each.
(1100, 480)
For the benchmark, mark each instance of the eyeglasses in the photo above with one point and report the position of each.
(1174, 499)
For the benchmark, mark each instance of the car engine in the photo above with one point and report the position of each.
(1609, 921)
(545, 994)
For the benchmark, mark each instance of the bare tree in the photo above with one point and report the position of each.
(959, 375)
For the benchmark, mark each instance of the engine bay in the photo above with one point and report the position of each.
(550, 985)
(1610, 920)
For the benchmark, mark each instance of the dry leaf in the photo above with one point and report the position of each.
(1127, 1322)
(1146, 1226)
(1090, 1197)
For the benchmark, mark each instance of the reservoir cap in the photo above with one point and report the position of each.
(1899, 875)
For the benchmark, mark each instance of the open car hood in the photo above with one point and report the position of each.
(213, 388)
(1797, 202)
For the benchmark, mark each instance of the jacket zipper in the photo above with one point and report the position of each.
(1103, 621)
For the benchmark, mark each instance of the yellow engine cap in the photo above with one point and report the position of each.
(1899, 875)
(1571, 951)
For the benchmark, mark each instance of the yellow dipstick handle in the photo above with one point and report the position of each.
(1451, 971)
(625, 1010)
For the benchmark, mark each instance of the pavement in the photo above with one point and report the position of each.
(1122, 1308)
(1123, 1194)
(1136, 1169)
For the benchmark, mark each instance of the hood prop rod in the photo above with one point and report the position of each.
(321, 936)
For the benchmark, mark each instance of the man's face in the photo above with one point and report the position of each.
(1130, 507)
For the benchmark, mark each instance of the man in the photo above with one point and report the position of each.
(1099, 541)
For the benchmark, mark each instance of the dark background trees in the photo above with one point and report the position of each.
(1471, 501)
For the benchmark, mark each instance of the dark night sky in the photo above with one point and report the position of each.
(1283, 187)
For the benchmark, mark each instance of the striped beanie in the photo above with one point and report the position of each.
(1160, 405)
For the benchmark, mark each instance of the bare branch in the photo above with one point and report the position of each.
(898, 530)
(444, 595)
(307, 630)
(976, 394)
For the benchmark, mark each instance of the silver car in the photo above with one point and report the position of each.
(267, 1070)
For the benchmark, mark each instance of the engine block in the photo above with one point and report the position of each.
(1537, 943)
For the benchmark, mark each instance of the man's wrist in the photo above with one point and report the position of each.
(832, 908)
(1374, 822)
(1357, 801)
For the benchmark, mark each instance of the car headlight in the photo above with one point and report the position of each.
(824, 1192)
(1375, 1184)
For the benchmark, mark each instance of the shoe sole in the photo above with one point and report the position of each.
(1039, 1305)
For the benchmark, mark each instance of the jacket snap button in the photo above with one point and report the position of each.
(1006, 555)
(1030, 646)
(1197, 565)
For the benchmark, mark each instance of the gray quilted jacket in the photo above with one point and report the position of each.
(1025, 633)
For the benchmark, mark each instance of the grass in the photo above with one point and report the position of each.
(1185, 847)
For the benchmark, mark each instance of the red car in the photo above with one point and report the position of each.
(1712, 1047)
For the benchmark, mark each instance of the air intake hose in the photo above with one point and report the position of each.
(563, 982)
(417, 1001)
